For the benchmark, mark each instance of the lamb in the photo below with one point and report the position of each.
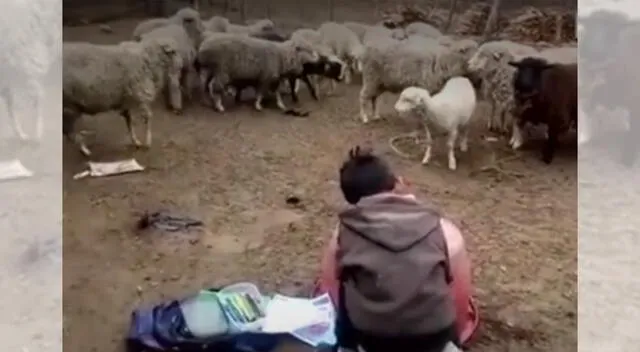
(187, 49)
(262, 63)
(395, 68)
(422, 29)
(450, 109)
(545, 93)
(126, 77)
(492, 67)
(187, 17)
(344, 43)
(314, 39)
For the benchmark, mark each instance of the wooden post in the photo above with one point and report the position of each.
(452, 10)
(493, 18)
(331, 10)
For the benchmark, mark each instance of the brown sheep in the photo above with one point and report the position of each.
(546, 94)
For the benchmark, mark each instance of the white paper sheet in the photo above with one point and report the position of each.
(12, 170)
(102, 169)
(286, 314)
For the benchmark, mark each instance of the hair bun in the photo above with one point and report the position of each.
(361, 155)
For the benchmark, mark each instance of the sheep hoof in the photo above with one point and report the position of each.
(452, 166)
(84, 150)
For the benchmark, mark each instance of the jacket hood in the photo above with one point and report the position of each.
(393, 221)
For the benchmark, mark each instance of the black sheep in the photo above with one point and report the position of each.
(547, 94)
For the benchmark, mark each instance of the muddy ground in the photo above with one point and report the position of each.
(234, 171)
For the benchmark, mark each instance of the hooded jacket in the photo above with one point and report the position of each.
(393, 264)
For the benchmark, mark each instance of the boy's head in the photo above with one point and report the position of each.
(365, 174)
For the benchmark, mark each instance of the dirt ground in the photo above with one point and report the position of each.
(234, 171)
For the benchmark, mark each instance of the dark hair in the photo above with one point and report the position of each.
(364, 174)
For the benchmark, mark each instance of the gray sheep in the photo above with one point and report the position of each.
(395, 68)
(126, 77)
(187, 49)
(260, 63)
(492, 67)
(422, 29)
(187, 17)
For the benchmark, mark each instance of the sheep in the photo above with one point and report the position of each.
(491, 66)
(261, 26)
(560, 55)
(187, 49)
(30, 50)
(126, 77)
(187, 17)
(314, 39)
(500, 48)
(395, 68)
(262, 63)
(325, 67)
(422, 29)
(450, 109)
(344, 43)
(545, 93)
(216, 24)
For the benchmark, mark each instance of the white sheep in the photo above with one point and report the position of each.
(560, 55)
(344, 43)
(30, 49)
(187, 17)
(396, 67)
(187, 49)
(492, 67)
(260, 26)
(262, 63)
(451, 109)
(216, 24)
(126, 77)
(422, 29)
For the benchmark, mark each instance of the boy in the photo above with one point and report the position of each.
(392, 265)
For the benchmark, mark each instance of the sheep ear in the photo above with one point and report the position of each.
(514, 64)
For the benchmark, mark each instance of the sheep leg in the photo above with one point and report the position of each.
(17, 126)
(374, 107)
(68, 123)
(364, 100)
(516, 137)
(316, 84)
(492, 117)
(333, 87)
(279, 101)
(464, 138)
(312, 90)
(258, 102)
(630, 144)
(428, 142)
(451, 146)
(132, 132)
(38, 96)
(347, 76)
(549, 148)
(293, 83)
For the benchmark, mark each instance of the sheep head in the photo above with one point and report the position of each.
(527, 80)
(412, 98)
